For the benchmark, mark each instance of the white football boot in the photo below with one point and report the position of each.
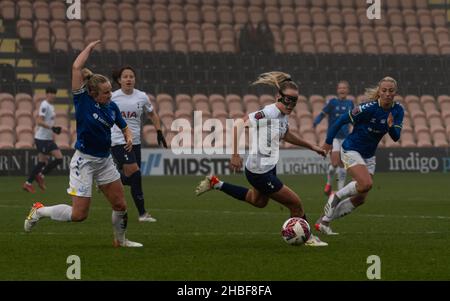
(324, 228)
(127, 244)
(32, 217)
(206, 184)
(147, 218)
(315, 241)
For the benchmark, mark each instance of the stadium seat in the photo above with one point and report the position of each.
(7, 137)
(25, 10)
(25, 137)
(7, 102)
(57, 10)
(7, 119)
(24, 118)
(41, 10)
(7, 9)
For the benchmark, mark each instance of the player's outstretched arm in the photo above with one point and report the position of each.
(294, 139)
(335, 127)
(78, 64)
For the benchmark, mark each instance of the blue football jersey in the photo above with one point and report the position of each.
(369, 126)
(335, 108)
(94, 123)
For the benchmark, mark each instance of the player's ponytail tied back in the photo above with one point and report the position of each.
(277, 79)
(86, 74)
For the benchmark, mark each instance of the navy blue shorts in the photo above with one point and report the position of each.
(121, 156)
(266, 183)
(45, 146)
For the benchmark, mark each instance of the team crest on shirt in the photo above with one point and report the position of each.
(259, 115)
(356, 110)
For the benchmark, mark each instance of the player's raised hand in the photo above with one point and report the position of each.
(236, 162)
(93, 44)
(390, 120)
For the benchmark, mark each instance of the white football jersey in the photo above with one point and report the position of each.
(268, 127)
(47, 111)
(131, 107)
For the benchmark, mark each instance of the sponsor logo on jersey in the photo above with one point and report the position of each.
(129, 114)
(259, 115)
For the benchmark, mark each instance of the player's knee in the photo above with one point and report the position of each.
(79, 217)
(365, 186)
(130, 170)
(260, 204)
(120, 206)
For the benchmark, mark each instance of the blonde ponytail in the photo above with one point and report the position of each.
(277, 79)
(86, 74)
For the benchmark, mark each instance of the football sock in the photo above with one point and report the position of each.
(342, 209)
(125, 180)
(342, 174)
(119, 221)
(330, 174)
(49, 167)
(218, 185)
(62, 213)
(136, 191)
(37, 169)
(348, 191)
(236, 192)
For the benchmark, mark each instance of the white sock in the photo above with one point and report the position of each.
(330, 174)
(343, 208)
(218, 185)
(342, 174)
(62, 213)
(119, 221)
(348, 191)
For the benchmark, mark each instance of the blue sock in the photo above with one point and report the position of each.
(236, 192)
(136, 191)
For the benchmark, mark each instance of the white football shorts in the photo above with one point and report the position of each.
(337, 144)
(351, 158)
(84, 169)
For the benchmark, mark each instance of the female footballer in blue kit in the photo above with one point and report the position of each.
(261, 173)
(95, 115)
(334, 108)
(371, 121)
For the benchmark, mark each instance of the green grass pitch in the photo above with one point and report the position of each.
(406, 222)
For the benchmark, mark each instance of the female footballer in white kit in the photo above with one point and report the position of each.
(260, 172)
(95, 115)
(132, 104)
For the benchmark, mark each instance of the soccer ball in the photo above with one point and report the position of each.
(295, 231)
